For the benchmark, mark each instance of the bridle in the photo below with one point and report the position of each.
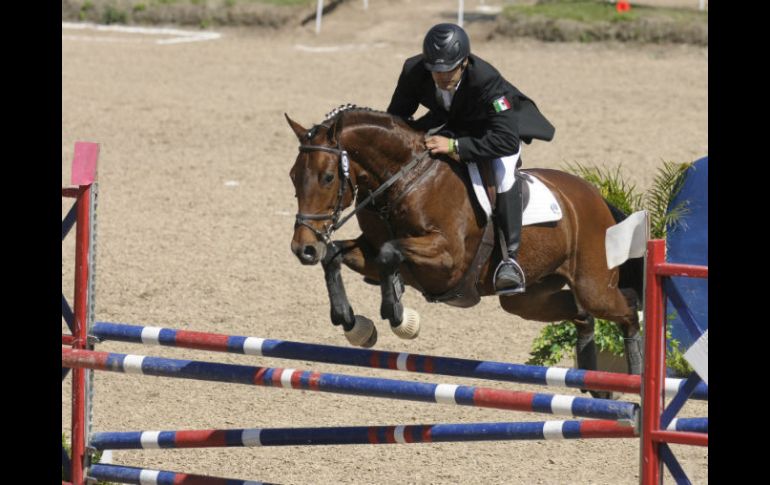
(344, 174)
(343, 169)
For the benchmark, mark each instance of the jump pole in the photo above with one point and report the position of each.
(428, 364)
(140, 476)
(377, 435)
(354, 385)
(362, 435)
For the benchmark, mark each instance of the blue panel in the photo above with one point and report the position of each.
(688, 244)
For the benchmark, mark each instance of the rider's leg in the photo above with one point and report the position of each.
(509, 276)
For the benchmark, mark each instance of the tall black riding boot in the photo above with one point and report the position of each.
(509, 277)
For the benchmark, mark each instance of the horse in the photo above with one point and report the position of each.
(421, 227)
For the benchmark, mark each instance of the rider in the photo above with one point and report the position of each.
(484, 118)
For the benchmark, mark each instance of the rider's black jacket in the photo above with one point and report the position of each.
(488, 115)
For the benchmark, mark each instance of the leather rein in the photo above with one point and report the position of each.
(344, 174)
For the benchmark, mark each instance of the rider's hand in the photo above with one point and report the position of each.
(439, 145)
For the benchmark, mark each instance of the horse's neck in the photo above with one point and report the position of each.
(378, 152)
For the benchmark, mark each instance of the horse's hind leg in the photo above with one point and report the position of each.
(358, 330)
(610, 303)
(547, 301)
(585, 349)
(632, 337)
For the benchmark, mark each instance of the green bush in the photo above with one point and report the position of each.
(114, 15)
(598, 20)
(558, 340)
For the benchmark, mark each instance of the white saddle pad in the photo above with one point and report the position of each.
(542, 207)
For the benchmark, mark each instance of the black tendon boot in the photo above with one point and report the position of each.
(509, 277)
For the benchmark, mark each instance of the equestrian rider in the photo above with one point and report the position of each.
(485, 118)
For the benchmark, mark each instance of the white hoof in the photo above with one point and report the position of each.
(363, 333)
(410, 326)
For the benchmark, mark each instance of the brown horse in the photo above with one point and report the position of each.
(420, 225)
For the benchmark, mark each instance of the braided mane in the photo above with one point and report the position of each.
(378, 118)
(337, 112)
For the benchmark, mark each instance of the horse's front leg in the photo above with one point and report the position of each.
(359, 330)
(392, 288)
(426, 251)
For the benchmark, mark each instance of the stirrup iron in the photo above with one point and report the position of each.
(510, 291)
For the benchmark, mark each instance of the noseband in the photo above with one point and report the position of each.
(344, 174)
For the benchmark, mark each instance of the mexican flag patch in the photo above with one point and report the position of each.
(501, 104)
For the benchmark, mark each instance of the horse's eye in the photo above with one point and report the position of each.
(327, 178)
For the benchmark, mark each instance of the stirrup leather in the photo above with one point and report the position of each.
(510, 291)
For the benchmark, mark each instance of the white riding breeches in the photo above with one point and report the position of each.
(505, 176)
(505, 171)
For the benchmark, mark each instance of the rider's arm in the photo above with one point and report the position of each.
(501, 132)
(405, 99)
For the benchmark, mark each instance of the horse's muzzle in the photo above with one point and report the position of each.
(309, 253)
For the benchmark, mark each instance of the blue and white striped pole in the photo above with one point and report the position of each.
(283, 349)
(692, 425)
(140, 476)
(356, 385)
(362, 435)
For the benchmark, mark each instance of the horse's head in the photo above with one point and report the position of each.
(322, 185)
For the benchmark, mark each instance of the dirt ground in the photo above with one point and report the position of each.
(196, 210)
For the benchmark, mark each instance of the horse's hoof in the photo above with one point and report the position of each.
(409, 328)
(363, 333)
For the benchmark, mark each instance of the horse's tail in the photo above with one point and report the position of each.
(632, 271)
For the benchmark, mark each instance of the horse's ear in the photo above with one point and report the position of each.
(336, 131)
(298, 129)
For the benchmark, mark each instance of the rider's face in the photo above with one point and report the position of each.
(448, 80)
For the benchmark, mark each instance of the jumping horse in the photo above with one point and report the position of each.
(422, 226)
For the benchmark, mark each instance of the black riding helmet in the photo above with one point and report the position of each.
(444, 48)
